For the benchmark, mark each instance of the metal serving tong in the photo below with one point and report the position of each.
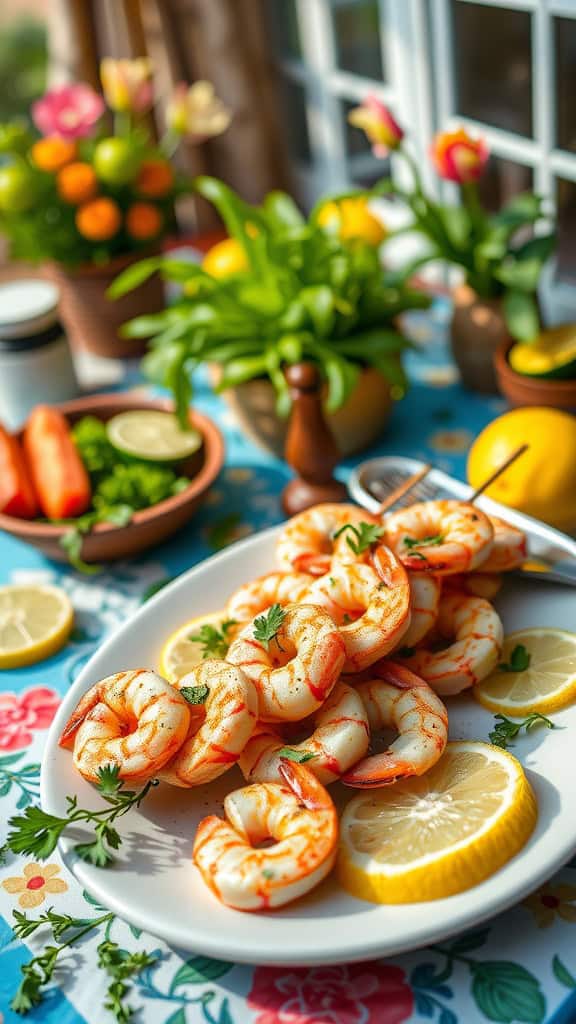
(382, 483)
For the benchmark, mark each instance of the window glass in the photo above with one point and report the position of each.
(357, 37)
(566, 252)
(283, 21)
(293, 101)
(565, 45)
(503, 179)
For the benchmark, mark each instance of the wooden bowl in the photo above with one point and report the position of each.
(107, 542)
(523, 390)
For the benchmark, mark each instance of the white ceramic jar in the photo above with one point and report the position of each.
(35, 361)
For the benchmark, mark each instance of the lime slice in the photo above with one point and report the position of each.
(35, 622)
(152, 435)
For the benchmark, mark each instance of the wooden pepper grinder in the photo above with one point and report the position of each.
(310, 446)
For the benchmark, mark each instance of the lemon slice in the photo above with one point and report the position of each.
(180, 654)
(552, 355)
(547, 684)
(433, 836)
(35, 622)
(152, 435)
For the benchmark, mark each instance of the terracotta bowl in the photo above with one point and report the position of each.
(150, 526)
(521, 390)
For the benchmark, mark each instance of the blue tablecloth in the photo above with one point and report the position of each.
(521, 967)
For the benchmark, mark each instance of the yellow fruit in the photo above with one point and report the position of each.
(180, 654)
(548, 683)
(35, 622)
(353, 219)
(225, 258)
(433, 836)
(542, 482)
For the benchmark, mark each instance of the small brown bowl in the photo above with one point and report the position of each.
(107, 542)
(523, 390)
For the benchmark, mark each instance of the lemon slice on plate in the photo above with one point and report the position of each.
(152, 435)
(547, 683)
(180, 654)
(35, 622)
(433, 836)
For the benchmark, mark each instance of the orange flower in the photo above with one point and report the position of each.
(155, 178)
(458, 157)
(35, 883)
(77, 183)
(552, 900)
(99, 219)
(53, 153)
(143, 221)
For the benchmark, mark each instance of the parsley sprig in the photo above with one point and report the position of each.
(36, 833)
(505, 730)
(423, 542)
(195, 694)
(215, 642)
(365, 536)
(299, 756)
(67, 931)
(266, 626)
(519, 660)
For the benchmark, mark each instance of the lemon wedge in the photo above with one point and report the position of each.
(433, 836)
(180, 654)
(35, 622)
(546, 684)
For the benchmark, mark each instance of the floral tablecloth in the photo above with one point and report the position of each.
(521, 967)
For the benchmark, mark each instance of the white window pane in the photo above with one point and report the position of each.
(357, 38)
(565, 41)
(493, 61)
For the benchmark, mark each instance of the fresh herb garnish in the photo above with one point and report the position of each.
(422, 542)
(120, 965)
(195, 694)
(505, 730)
(519, 660)
(37, 833)
(365, 536)
(215, 642)
(300, 756)
(267, 874)
(266, 626)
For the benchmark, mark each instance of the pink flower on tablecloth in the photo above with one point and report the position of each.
(70, 111)
(372, 993)
(21, 714)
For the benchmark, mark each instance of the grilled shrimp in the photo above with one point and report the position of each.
(307, 544)
(440, 537)
(379, 592)
(219, 727)
(297, 669)
(275, 588)
(509, 549)
(479, 584)
(297, 814)
(340, 738)
(396, 698)
(424, 603)
(134, 720)
(478, 636)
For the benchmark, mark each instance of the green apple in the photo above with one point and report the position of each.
(116, 161)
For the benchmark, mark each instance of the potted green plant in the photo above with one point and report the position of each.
(299, 292)
(85, 202)
(500, 256)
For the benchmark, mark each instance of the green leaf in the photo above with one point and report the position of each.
(423, 542)
(457, 224)
(198, 970)
(195, 694)
(148, 324)
(366, 535)
(505, 730)
(71, 543)
(562, 974)
(507, 993)
(239, 370)
(266, 626)
(539, 248)
(215, 642)
(35, 832)
(520, 659)
(299, 756)
(318, 300)
(133, 276)
(282, 212)
(524, 208)
(469, 942)
(521, 315)
(109, 781)
(522, 275)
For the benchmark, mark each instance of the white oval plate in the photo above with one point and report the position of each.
(154, 884)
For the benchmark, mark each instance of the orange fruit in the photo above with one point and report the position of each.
(155, 179)
(99, 219)
(76, 183)
(52, 153)
(143, 221)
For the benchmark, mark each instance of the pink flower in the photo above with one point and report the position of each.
(373, 993)
(380, 126)
(70, 111)
(458, 157)
(21, 713)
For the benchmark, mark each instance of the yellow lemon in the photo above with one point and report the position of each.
(542, 482)
(433, 836)
(206, 636)
(225, 258)
(546, 683)
(35, 622)
(353, 219)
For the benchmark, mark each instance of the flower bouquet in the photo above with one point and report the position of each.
(500, 255)
(86, 201)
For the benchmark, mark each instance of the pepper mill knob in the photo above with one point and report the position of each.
(310, 446)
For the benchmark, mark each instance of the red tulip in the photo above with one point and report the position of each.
(458, 157)
(380, 126)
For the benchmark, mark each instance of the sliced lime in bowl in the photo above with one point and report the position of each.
(152, 435)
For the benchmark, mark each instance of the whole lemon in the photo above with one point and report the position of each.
(542, 482)
(225, 258)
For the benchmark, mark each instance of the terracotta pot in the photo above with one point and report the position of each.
(522, 390)
(357, 425)
(92, 321)
(477, 330)
(150, 526)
